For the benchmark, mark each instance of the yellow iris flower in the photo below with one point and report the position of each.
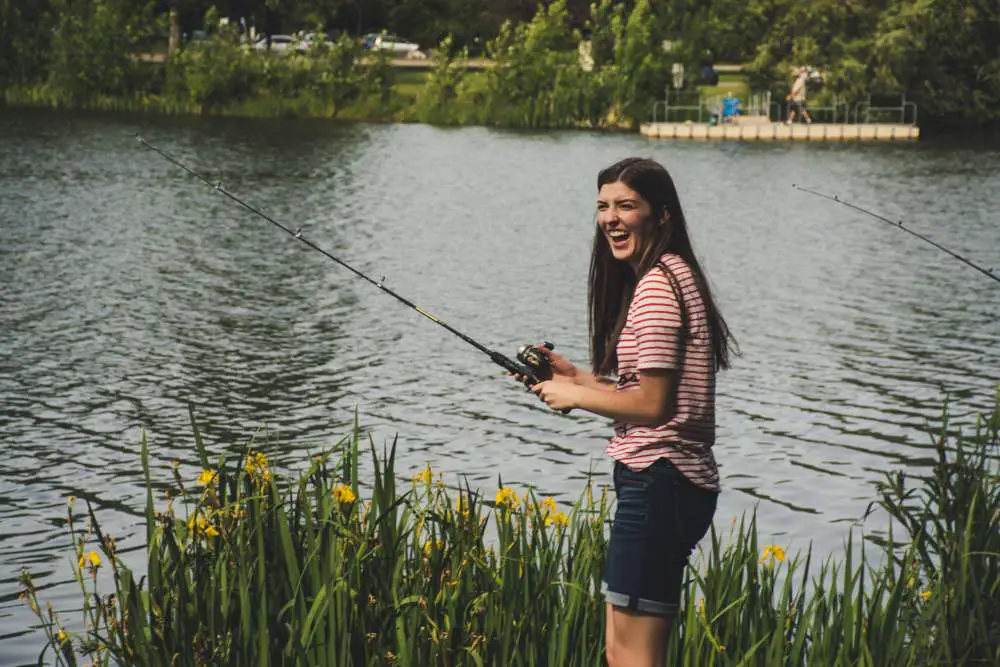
(774, 553)
(506, 497)
(207, 476)
(202, 526)
(344, 494)
(93, 559)
(424, 476)
(257, 466)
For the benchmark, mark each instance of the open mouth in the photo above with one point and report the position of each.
(618, 236)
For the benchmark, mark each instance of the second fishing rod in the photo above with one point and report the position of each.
(898, 224)
(532, 365)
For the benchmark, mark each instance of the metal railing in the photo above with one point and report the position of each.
(680, 106)
(757, 105)
(868, 108)
(674, 106)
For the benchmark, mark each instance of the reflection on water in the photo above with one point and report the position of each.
(130, 290)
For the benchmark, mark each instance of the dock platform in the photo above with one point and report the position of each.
(782, 132)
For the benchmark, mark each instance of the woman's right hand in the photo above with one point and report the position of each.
(562, 368)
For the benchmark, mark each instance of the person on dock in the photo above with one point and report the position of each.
(655, 329)
(797, 97)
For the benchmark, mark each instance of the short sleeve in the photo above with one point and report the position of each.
(656, 320)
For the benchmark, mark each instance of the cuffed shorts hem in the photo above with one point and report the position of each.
(659, 517)
(636, 603)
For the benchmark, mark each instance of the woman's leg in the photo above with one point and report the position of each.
(635, 639)
(659, 517)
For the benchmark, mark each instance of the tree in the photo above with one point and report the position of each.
(945, 55)
(174, 43)
(93, 47)
(25, 36)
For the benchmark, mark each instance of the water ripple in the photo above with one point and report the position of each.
(130, 291)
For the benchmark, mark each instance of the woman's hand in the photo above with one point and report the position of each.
(559, 395)
(562, 368)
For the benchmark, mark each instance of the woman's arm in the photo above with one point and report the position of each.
(591, 381)
(647, 404)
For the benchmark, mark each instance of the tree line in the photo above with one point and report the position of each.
(943, 55)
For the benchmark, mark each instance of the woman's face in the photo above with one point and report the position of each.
(626, 220)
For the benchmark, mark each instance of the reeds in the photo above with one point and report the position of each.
(246, 567)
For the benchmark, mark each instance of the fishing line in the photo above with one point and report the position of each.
(899, 225)
(535, 366)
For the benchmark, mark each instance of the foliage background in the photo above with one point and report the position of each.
(944, 55)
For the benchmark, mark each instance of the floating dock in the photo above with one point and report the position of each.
(782, 132)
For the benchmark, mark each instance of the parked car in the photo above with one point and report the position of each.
(279, 44)
(386, 42)
(195, 36)
(311, 40)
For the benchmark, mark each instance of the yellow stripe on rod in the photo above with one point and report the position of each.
(427, 315)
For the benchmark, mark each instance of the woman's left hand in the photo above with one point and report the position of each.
(558, 395)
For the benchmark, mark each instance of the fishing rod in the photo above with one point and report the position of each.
(534, 366)
(899, 224)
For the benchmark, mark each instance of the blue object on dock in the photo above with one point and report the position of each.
(730, 107)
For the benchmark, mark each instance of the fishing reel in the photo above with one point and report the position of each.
(536, 362)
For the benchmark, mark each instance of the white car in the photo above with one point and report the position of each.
(312, 40)
(279, 44)
(386, 42)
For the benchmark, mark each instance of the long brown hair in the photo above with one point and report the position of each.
(612, 282)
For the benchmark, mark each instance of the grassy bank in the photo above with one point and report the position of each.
(246, 565)
(393, 101)
(406, 97)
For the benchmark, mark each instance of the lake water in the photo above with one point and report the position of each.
(129, 289)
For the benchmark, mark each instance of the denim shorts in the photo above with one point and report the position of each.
(659, 518)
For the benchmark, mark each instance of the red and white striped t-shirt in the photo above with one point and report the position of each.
(651, 339)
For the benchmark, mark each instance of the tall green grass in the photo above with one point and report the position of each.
(246, 566)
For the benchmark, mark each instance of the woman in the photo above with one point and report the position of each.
(655, 326)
